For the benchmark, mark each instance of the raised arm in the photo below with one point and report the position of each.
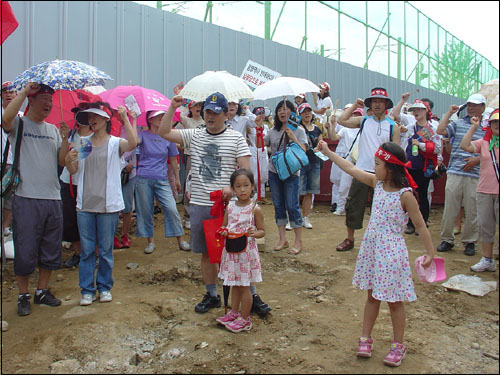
(346, 118)
(466, 143)
(130, 131)
(396, 111)
(10, 113)
(165, 130)
(441, 130)
(349, 168)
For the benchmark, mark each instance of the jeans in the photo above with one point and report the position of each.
(285, 196)
(145, 191)
(96, 229)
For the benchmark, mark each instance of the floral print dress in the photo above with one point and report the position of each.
(382, 264)
(243, 268)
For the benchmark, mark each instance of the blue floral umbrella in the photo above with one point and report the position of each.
(62, 75)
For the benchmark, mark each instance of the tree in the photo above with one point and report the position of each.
(456, 70)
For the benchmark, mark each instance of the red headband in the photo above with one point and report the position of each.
(390, 158)
(379, 92)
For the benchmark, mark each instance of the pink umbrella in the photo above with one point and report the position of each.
(147, 100)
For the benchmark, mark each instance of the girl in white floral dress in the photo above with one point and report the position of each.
(239, 269)
(382, 266)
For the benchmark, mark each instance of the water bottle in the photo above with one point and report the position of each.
(414, 150)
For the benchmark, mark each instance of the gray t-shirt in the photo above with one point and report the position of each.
(38, 159)
(95, 178)
(273, 139)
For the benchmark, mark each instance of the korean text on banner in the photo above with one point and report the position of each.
(255, 74)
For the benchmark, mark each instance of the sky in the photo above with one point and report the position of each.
(466, 20)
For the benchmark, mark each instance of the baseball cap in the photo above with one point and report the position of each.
(155, 113)
(434, 273)
(493, 116)
(258, 110)
(303, 96)
(325, 85)
(476, 99)
(303, 107)
(417, 104)
(6, 85)
(216, 102)
(82, 117)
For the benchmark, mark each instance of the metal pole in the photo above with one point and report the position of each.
(399, 58)
(305, 24)
(267, 20)
(366, 34)
(417, 74)
(388, 40)
(279, 17)
(338, 31)
(322, 50)
(159, 4)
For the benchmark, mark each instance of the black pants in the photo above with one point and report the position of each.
(423, 187)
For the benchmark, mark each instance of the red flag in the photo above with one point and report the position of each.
(9, 22)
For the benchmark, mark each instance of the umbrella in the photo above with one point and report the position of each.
(69, 100)
(96, 90)
(284, 86)
(147, 100)
(232, 87)
(61, 75)
(490, 91)
(226, 289)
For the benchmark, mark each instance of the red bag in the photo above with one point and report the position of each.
(215, 242)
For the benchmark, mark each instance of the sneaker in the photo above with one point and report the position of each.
(410, 229)
(395, 355)
(288, 227)
(125, 241)
(46, 298)
(470, 249)
(116, 243)
(333, 207)
(365, 346)
(184, 245)
(228, 318)
(259, 307)
(105, 296)
(339, 212)
(239, 324)
(207, 303)
(7, 232)
(23, 305)
(150, 248)
(72, 262)
(444, 246)
(307, 224)
(87, 299)
(187, 224)
(484, 265)
(345, 245)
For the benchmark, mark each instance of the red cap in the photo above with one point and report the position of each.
(6, 84)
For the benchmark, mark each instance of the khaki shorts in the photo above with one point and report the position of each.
(356, 204)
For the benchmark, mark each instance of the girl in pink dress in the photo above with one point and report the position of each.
(240, 269)
(382, 266)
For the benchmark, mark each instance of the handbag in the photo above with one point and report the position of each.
(10, 180)
(290, 160)
(215, 242)
(236, 242)
(125, 176)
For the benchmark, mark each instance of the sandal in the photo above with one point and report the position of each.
(294, 251)
(284, 246)
(347, 244)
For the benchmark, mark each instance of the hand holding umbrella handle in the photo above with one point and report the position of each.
(64, 130)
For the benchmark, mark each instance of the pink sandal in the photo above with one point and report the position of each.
(395, 355)
(365, 345)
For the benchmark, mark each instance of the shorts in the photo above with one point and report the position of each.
(487, 215)
(310, 179)
(356, 204)
(37, 232)
(197, 239)
(128, 195)
(70, 224)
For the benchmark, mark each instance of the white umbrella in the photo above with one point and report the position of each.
(284, 86)
(232, 87)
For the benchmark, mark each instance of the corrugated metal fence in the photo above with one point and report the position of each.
(140, 45)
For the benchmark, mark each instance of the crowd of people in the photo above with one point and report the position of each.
(386, 152)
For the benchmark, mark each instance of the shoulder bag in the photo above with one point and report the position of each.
(290, 160)
(10, 180)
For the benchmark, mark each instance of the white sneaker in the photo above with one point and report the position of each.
(184, 245)
(105, 296)
(288, 227)
(87, 299)
(307, 223)
(339, 212)
(150, 248)
(484, 265)
(187, 224)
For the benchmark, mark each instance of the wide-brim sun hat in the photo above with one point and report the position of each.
(432, 274)
(379, 93)
(82, 117)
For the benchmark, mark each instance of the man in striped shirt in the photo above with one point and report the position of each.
(462, 177)
(216, 152)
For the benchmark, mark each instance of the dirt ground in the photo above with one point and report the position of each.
(151, 326)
